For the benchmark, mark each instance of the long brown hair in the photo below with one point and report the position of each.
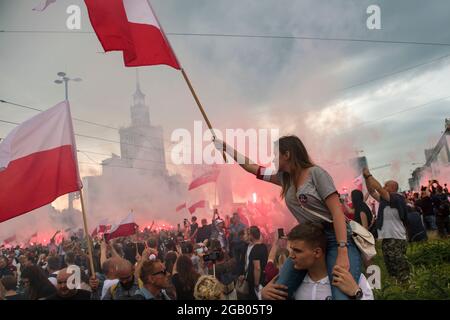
(299, 159)
(187, 273)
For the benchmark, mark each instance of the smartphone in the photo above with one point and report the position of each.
(280, 233)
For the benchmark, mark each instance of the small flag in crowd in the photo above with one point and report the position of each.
(102, 227)
(38, 162)
(197, 205)
(131, 26)
(126, 227)
(204, 179)
(43, 5)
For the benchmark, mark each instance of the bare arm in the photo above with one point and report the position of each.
(340, 227)
(273, 251)
(364, 221)
(103, 250)
(374, 185)
(257, 272)
(244, 161)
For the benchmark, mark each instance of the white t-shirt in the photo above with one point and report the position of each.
(393, 227)
(321, 290)
(108, 284)
(53, 280)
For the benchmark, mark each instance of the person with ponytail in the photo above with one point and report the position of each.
(310, 196)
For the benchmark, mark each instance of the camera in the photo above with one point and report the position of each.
(280, 233)
(213, 256)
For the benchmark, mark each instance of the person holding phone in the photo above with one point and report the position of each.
(311, 196)
(277, 256)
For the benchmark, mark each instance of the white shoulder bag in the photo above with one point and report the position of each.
(364, 239)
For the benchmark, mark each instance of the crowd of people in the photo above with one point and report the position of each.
(225, 259)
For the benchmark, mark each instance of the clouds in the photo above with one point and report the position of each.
(245, 82)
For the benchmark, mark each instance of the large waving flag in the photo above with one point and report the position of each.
(38, 162)
(132, 27)
(204, 179)
(197, 205)
(126, 227)
(43, 5)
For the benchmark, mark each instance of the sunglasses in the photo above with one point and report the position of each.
(164, 272)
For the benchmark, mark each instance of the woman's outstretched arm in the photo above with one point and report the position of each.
(247, 164)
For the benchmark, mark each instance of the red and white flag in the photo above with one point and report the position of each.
(132, 27)
(101, 228)
(43, 5)
(180, 207)
(205, 178)
(38, 162)
(126, 227)
(195, 206)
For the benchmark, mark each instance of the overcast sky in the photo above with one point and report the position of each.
(296, 85)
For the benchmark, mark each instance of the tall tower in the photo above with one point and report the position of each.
(141, 144)
(139, 111)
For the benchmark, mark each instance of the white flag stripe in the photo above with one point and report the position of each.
(43, 132)
(139, 11)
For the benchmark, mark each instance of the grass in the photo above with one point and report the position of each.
(430, 273)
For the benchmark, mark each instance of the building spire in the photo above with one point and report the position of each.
(138, 94)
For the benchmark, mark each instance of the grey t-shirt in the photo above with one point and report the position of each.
(311, 195)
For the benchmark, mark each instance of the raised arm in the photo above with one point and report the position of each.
(374, 187)
(247, 164)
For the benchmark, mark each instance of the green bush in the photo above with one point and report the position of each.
(430, 274)
(429, 253)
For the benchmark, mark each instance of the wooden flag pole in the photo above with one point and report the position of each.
(199, 104)
(91, 257)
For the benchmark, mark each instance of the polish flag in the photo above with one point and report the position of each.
(126, 227)
(43, 5)
(38, 162)
(102, 227)
(195, 206)
(205, 178)
(132, 27)
(180, 207)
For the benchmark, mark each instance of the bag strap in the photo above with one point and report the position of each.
(318, 215)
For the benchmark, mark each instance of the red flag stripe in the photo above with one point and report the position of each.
(195, 206)
(131, 26)
(204, 179)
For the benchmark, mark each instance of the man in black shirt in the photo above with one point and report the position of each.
(194, 228)
(64, 293)
(256, 260)
(204, 232)
(426, 206)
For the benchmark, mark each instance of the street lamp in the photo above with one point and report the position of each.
(63, 78)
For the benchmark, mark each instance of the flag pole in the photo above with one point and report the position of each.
(91, 257)
(188, 82)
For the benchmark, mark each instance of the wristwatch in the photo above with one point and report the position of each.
(342, 244)
(358, 295)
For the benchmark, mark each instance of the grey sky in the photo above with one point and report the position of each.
(294, 84)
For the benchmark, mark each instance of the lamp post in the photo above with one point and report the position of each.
(63, 78)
